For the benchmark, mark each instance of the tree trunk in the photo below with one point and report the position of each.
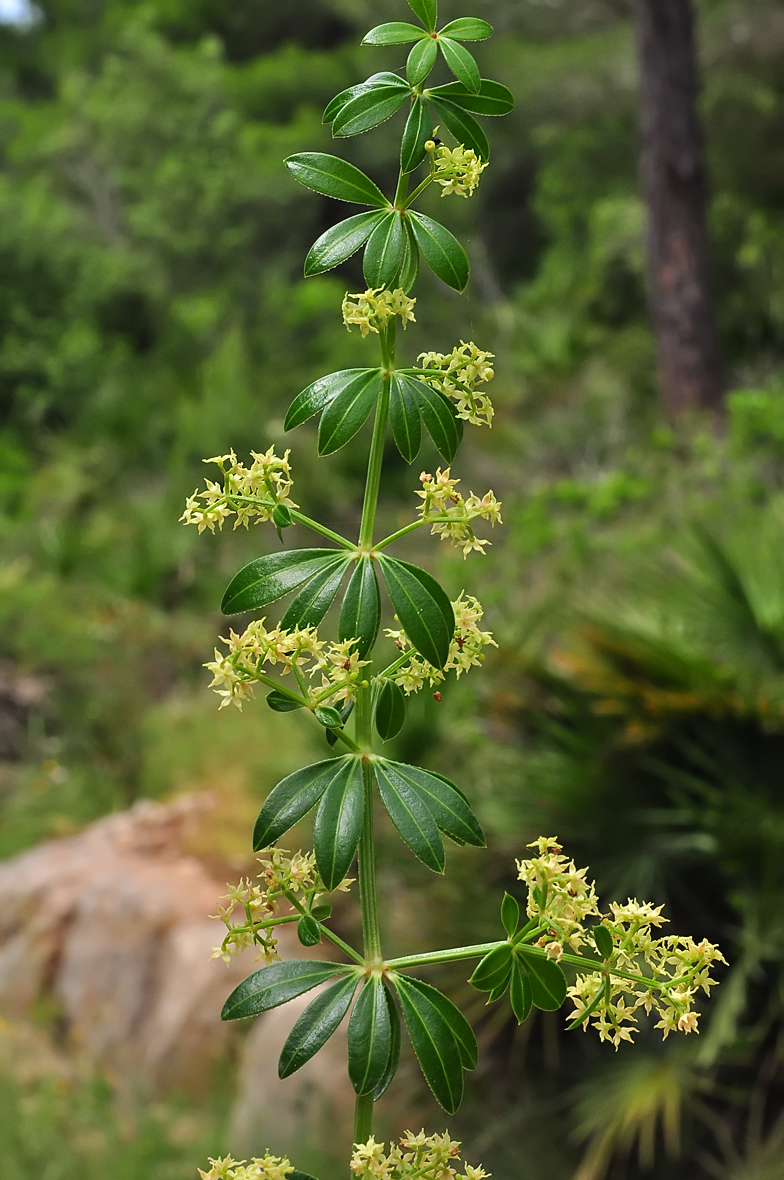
(679, 282)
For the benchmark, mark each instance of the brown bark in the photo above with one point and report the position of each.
(673, 179)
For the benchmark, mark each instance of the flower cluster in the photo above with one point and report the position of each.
(457, 170)
(451, 515)
(465, 650)
(640, 972)
(298, 650)
(249, 492)
(280, 875)
(373, 309)
(558, 895)
(457, 374)
(271, 1167)
(429, 1157)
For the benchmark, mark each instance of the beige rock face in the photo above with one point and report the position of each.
(110, 927)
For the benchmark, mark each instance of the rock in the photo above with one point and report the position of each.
(110, 928)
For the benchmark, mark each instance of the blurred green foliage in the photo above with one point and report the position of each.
(152, 312)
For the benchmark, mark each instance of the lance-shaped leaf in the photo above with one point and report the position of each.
(369, 1037)
(394, 1048)
(441, 251)
(384, 251)
(548, 982)
(347, 411)
(280, 702)
(422, 607)
(341, 241)
(463, 126)
(386, 77)
(439, 415)
(405, 416)
(427, 11)
(277, 984)
(421, 60)
(270, 577)
(461, 1029)
(333, 177)
(321, 393)
(494, 99)
(461, 63)
(293, 798)
(395, 33)
(467, 28)
(370, 108)
(419, 129)
(493, 969)
(308, 608)
(510, 914)
(411, 817)
(360, 611)
(316, 1025)
(445, 803)
(410, 268)
(339, 823)
(520, 993)
(435, 1045)
(390, 710)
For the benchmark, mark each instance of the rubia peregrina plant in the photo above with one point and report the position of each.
(620, 964)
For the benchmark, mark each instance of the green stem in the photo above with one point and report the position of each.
(420, 188)
(450, 956)
(375, 461)
(344, 946)
(300, 518)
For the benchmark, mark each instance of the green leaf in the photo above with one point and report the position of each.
(412, 819)
(442, 251)
(603, 941)
(499, 990)
(421, 60)
(315, 598)
(280, 703)
(333, 177)
(390, 710)
(297, 1175)
(345, 713)
(435, 1045)
(293, 798)
(281, 517)
(445, 803)
(405, 416)
(369, 1037)
(322, 911)
(493, 968)
(321, 393)
(268, 578)
(368, 109)
(461, 63)
(463, 126)
(384, 251)
(439, 416)
(510, 914)
(494, 99)
(341, 241)
(316, 1025)
(461, 1029)
(360, 612)
(277, 984)
(395, 33)
(421, 606)
(347, 411)
(328, 716)
(520, 993)
(308, 931)
(340, 100)
(410, 268)
(419, 128)
(427, 11)
(548, 982)
(394, 1048)
(467, 28)
(339, 823)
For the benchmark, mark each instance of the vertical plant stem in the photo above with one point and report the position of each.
(371, 936)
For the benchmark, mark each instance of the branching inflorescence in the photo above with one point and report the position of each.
(621, 966)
